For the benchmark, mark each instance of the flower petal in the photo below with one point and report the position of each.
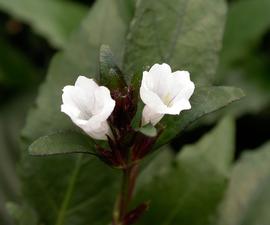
(151, 99)
(158, 78)
(79, 99)
(150, 116)
(164, 92)
(89, 106)
(160, 69)
(70, 110)
(181, 83)
(99, 132)
(103, 108)
(185, 93)
(180, 105)
(86, 84)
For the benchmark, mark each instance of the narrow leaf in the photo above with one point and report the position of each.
(62, 143)
(148, 130)
(110, 74)
(204, 101)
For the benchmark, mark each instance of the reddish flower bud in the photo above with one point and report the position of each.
(142, 146)
(124, 110)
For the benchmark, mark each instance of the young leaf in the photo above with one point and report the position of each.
(62, 143)
(136, 121)
(204, 101)
(47, 17)
(193, 195)
(247, 200)
(110, 74)
(186, 34)
(148, 130)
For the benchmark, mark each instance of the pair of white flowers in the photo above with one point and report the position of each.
(162, 91)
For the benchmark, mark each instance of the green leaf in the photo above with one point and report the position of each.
(247, 200)
(186, 34)
(244, 62)
(62, 143)
(55, 20)
(126, 9)
(204, 101)
(242, 51)
(155, 164)
(148, 130)
(110, 74)
(5, 218)
(191, 188)
(65, 189)
(22, 215)
(68, 189)
(12, 115)
(15, 69)
(9, 182)
(136, 121)
(237, 45)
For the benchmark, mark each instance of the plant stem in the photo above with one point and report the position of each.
(128, 183)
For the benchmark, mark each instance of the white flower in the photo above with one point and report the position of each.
(164, 92)
(89, 106)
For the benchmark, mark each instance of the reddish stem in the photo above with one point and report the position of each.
(128, 183)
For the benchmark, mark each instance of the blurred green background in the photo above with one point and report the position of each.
(31, 31)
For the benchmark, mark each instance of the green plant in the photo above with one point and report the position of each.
(200, 184)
